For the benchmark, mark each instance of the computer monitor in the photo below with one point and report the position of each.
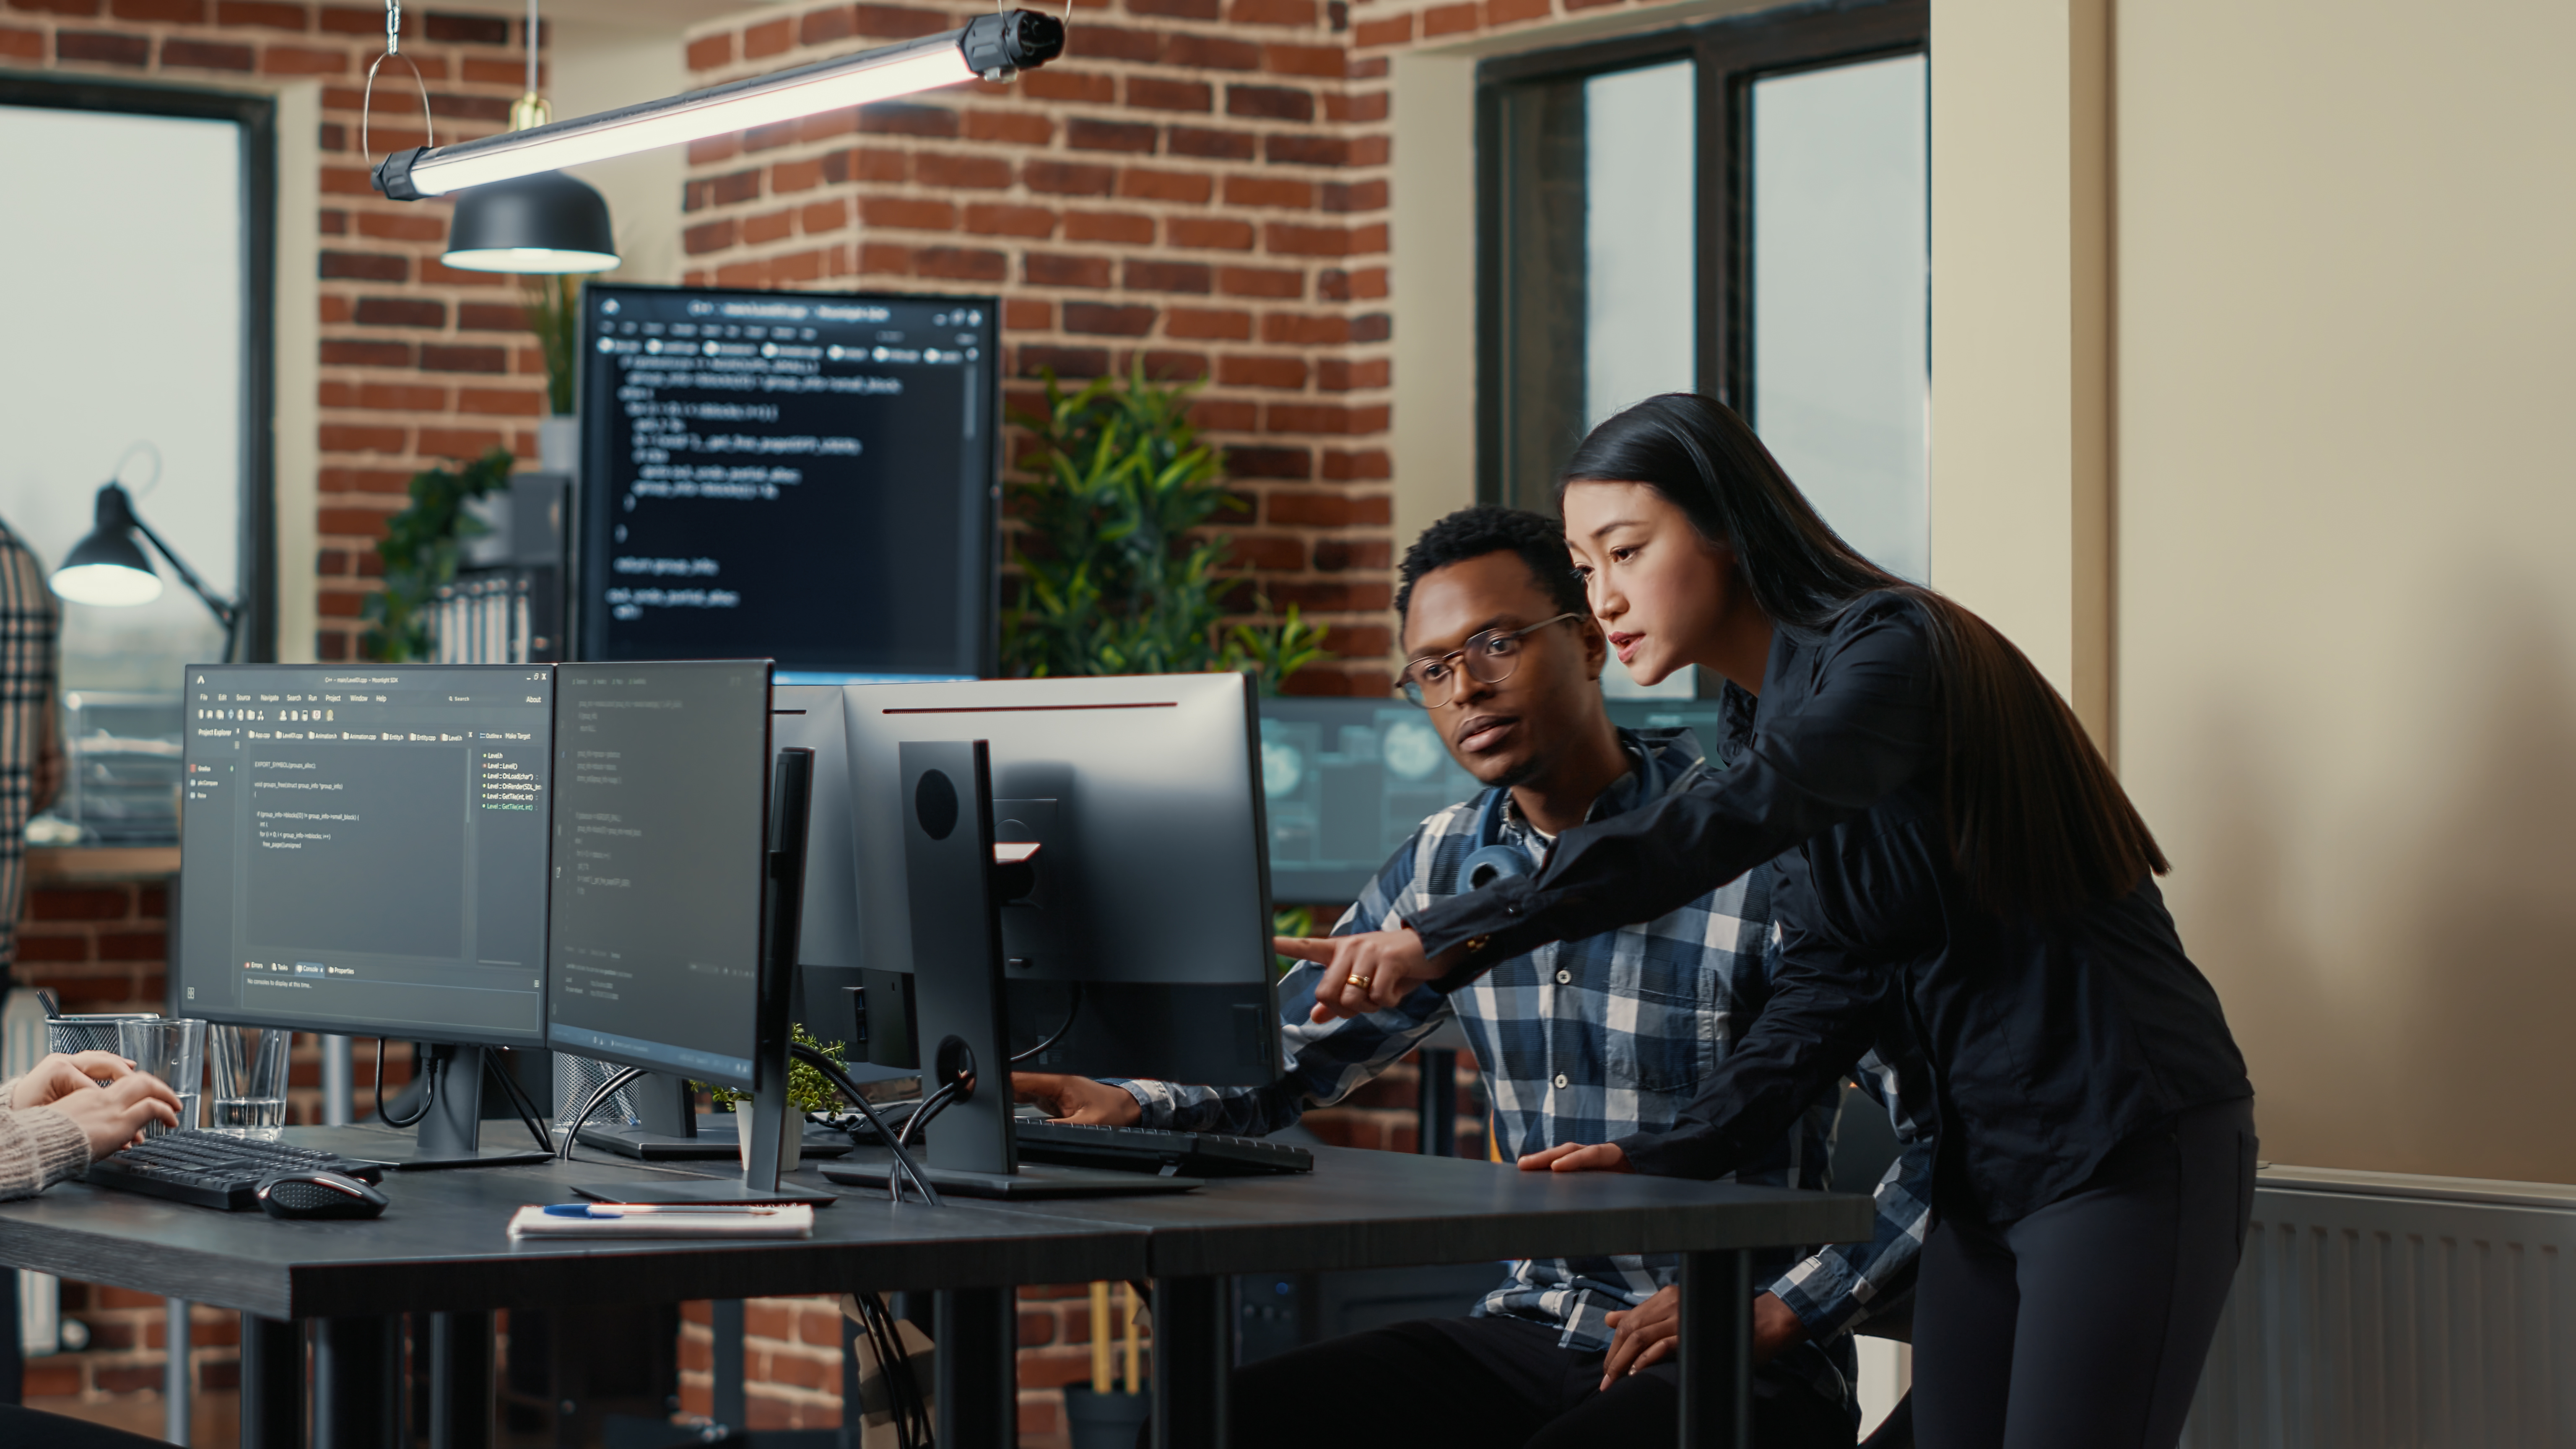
(363, 851)
(1150, 891)
(813, 477)
(828, 957)
(661, 852)
(1346, 781)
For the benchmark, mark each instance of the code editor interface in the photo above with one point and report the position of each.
(364, 848)
(660, 809)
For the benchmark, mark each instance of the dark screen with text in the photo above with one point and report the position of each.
(363, 848)
(659, 817)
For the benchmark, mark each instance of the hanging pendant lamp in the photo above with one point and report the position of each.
(542, 224)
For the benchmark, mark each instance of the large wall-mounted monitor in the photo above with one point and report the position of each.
(807, 477)
(366, 849)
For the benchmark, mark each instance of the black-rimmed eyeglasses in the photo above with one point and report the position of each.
(1487, 658)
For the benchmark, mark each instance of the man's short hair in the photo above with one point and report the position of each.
(1491, 528)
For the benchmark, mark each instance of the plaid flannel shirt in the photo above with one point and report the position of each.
(1584, 1041)
(28, 623)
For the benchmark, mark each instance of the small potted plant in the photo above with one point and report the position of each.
(807, 1091)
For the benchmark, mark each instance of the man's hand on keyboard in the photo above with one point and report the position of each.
(1076, 1099)
(113, 1116)
(55, 1074)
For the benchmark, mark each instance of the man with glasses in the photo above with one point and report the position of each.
(1579, 1041)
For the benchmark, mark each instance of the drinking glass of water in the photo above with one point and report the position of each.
(173, 1049)
(249, 1093)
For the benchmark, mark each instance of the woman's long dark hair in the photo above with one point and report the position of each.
(2038, 823)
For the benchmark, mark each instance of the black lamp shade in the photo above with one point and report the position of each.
(109, 567)
(546, 223)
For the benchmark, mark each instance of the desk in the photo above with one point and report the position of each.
(1362, 1209)
(442, 1248)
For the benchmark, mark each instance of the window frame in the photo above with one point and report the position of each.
(1728, 55)
(255, 116)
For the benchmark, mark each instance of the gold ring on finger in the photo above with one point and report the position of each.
(1360, 980)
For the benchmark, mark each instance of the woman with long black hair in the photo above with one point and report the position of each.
(1957, 869)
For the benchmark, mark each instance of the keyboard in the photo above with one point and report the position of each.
(1152, 1149)
(215, 1169)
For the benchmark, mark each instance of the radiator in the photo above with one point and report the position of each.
(2386, 1311)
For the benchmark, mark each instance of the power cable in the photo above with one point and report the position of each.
(904, 1166)
(1071, 1012)
(431, 1069)
(602, 1093)
(520, 1103)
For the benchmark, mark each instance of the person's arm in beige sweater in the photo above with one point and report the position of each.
(58, 1119)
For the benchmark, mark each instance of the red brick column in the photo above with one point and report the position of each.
(1203, 194)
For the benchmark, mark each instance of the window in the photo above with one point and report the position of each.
(139, 282)
(1740, 208)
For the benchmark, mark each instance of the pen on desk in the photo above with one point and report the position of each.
(628, 1210)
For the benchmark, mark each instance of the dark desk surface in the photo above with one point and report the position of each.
(444, 1245)
(1361, 1209)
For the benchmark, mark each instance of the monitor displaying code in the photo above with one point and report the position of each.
(811, 478)
(660, 820)
(363, 848)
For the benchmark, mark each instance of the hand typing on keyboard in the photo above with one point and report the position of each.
(110, 1116)
(54, 1074)
(1076, 1099)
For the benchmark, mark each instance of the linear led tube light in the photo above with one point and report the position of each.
(990, 47)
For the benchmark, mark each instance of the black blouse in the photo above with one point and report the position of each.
(2048, 1043)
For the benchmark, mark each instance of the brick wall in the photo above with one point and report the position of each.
(1206, 195)
(1199, 184)
(419, 364)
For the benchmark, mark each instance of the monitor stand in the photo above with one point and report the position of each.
(666, 1126)
(758, 1184)
(681, 1133)
(957, 993)
(447, 1137)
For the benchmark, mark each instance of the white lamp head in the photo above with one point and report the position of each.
(109, 568)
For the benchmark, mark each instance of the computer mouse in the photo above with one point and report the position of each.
(318, 1194)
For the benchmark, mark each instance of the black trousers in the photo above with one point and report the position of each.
(2087, 1321)
(1490, 1383)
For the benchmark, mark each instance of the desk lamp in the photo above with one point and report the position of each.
(543, 224)
(110, 570)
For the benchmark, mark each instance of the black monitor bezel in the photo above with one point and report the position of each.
(595, 461)
(176, 989)
(770, 1008)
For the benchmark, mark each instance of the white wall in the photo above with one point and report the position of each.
(599, 66)
(2346, 503)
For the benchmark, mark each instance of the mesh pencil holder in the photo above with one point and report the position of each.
(69, 1034)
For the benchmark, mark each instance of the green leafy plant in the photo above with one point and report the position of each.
(420, 550)
(553, 306)
(1119, 574)
(808, 1090)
